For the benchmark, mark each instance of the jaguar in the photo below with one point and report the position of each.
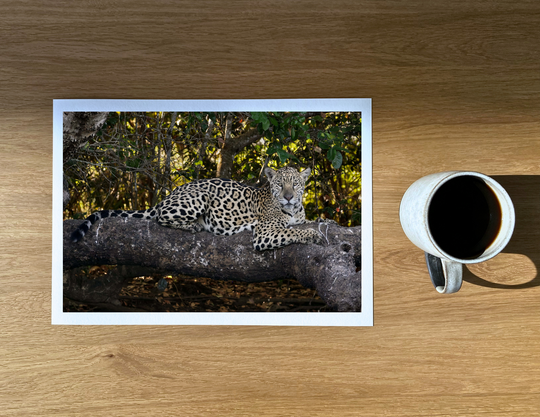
(226, 207)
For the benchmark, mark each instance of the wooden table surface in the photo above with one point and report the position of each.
(455, 86)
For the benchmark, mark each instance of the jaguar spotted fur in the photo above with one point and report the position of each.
(225, 207)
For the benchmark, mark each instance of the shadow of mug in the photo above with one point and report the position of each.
(524, 190)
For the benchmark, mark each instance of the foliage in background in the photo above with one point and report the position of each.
(136, 159)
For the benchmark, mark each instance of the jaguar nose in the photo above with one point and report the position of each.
(288, 196)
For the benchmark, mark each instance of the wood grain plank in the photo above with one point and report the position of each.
(454, 86)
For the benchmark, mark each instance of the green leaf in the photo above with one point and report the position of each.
(337, 160)
(273, 121)
(257, 116)
(331, 154)
(283, 155)
(272, 149)
(325, 145)
(261, 119)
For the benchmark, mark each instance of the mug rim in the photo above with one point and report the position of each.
(507, 219)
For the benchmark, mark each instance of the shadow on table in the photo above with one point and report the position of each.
(524, 190)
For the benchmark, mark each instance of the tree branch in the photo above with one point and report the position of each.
(333, 270)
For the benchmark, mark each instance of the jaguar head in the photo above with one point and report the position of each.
(287, 187)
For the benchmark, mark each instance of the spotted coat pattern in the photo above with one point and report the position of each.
(225, 207)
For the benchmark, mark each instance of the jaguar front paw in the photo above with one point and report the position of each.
(317, 237)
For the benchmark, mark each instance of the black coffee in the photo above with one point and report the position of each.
(464, 217)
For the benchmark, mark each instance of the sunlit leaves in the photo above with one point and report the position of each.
(137, 158)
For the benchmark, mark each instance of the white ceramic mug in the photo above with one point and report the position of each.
(456, 217)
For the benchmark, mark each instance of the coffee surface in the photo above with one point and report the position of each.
(464, 217)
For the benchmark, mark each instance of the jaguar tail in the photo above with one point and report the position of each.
(78, 234)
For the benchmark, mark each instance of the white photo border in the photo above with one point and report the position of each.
(363, 318)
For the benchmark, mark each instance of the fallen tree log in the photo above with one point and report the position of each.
(333, 269)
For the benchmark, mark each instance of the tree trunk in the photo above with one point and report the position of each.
(334, 269)
(231, 147)
(78, 128)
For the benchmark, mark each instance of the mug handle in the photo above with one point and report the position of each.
(446, 276)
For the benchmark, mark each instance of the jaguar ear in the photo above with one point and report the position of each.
(305, 173)
(269, 172)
